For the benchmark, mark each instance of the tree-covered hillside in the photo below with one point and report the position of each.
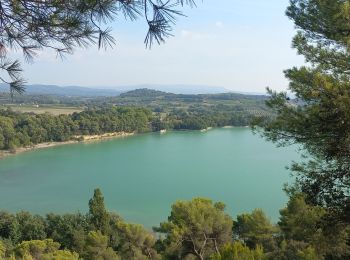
(141, 110)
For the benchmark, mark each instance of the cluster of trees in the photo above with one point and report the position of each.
(180, 120)
(23, 129)
(96, 235)
(43, 99)
(196, 229)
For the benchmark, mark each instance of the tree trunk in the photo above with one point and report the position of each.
(216, 247)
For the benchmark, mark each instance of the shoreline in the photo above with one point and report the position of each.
(87, 139)
(76, 139)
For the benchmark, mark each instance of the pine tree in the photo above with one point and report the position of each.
(98, 215)
(319, 118)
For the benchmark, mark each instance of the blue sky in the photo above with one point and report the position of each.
(238, 44)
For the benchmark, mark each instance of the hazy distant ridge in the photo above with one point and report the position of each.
(102, 91)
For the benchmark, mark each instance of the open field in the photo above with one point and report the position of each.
(54, 110)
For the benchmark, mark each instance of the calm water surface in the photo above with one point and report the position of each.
(141, 176)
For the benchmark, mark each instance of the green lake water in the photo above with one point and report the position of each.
(141, 176)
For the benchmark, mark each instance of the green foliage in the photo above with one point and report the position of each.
(26, 129)
(98, 214)
(318, 119)
(308, 253)
(60, 255)
(255, 229)
(36, 247)
(296, 250)
(322, 21)
(2, 250)
(21, 129)
(135, 242)
(195, 112)
(198, 227)
(96, 235)
(238, 251)
(31, 227)
(306, 223)
(43, 250)
(9, 227)
(7, 134)
(96, 247)
(300, 221)
(68, 229)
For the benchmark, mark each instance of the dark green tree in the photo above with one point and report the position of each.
(305, 223)
(30, 227)
(135, 243)
(196, 228)
(9, 227)
(239, 251)
(98, 215)
(255, 229)
(7, 134)
(69, 229)
(298, 250)
(318, 118)
(299, 221)
(96, 247)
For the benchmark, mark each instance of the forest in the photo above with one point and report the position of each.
(25, 129)
(195, 229)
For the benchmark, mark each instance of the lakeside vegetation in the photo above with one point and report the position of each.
(196, 229)
(24, 129)
(136, 111)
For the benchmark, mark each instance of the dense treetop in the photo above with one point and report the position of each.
(319, 120)
(195, 229)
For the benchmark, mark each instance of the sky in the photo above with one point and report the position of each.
(237, 44)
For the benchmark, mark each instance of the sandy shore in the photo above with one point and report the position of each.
(76, 139)
(206, 129)
(86, 138)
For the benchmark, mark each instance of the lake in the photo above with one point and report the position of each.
(141, 176)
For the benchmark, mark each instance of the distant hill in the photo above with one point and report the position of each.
(145, 92)
(74, 91)
(178, 89)
(227, 108)
(103, 91)
(164, 101)
(42, 89)
(70, 91)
